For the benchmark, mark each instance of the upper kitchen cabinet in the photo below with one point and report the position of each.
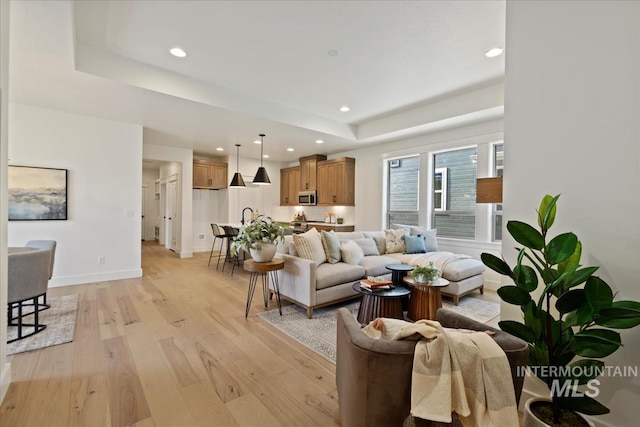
(309, 172)
(336, 182)
(289, 185)
(209, 175)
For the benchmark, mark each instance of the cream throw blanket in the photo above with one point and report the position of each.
(440, 260)
(455, 370)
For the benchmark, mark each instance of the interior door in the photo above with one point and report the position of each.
(172, 215)
(143, 228)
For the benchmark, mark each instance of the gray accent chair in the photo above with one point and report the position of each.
(374, 376)
(49, 245)
(28, 277)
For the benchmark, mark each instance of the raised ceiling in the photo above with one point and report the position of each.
(283, 68)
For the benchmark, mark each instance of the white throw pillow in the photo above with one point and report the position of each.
(368, 246)
(309, 246)
(351, 252)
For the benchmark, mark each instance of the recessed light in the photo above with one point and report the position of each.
(176, 51)
(492, 53)
(344, 109)
(219, 149)
(290, 149)
(319, 141)
(332, 52)
(257, 141)
(266, 156)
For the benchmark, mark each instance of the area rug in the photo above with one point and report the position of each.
(60, 319)
(319, 333)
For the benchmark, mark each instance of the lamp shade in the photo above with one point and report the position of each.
(237, 180)
(489, 190)
(261, 178)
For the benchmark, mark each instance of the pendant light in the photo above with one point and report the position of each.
(237, 180)
(261, 177)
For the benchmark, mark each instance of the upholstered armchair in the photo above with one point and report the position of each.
(28, 277)
(49, 245)
(374, 376)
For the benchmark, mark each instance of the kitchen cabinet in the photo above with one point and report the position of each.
(336, 182)
(209, 175)
(309, 172)
(289, 186)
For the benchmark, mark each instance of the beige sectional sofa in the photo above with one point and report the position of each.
(316, 283)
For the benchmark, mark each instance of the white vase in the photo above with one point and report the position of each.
(420, 278)
(264, 254)
(530, 420)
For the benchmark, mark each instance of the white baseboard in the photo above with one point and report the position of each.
(95, 277)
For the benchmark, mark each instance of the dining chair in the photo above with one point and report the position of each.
(47, 245)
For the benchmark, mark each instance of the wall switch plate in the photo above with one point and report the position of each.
(201, 236)
(101, 260)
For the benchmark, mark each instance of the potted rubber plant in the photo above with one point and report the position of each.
(568, 317)
(259, 238)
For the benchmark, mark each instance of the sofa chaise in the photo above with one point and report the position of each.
(315, 280)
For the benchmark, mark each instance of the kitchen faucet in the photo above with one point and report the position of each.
(242, 221)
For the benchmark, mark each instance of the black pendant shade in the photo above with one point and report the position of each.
(261, 178)
(237, 180)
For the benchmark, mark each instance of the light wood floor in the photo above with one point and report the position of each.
(172, 348)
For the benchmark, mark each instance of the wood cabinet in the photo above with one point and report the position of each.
(309, 172)
(336, 182)
(289, 186)
(329, 227)
(209, 175)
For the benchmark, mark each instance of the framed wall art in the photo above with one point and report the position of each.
(37, 194)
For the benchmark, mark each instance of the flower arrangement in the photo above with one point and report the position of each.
(263, 230)
(425, 273)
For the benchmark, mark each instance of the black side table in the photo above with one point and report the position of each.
(398, 271)
(380, 303)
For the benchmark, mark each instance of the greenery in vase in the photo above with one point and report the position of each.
(567, 322)
(261, 230)
(429, 272)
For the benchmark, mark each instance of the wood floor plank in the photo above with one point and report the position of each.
(177, 360)
(127, 401)
(127, 310)
(205, 406)
(89, 402)
(248, 411)
(108, 316)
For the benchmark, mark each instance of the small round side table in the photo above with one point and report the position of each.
(380, 303)
(264, 270)
(398, 271)
(425, 298)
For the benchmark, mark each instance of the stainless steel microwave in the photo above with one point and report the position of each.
(307, 198)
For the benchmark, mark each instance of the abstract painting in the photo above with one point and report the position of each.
(37, 193)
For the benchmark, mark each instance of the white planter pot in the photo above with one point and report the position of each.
(530, 420)
(265, 254)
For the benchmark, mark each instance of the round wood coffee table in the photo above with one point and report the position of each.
(425, 298)
(381, 303)
(264, 270)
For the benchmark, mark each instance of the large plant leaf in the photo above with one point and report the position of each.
(561, 247)
(525, 277)
(514, 295)
(580, 276)
(570, 301)
(596, 343)
(526, 235)
(621, 315)
(532, 320)
(518, 329)
(582, 316)
(584, 370)
(599, 294)
(538, 356)
(573, 260)
(547, 212)
(496, 264)
(584, 404)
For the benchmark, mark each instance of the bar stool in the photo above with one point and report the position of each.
(217, 234)
(230, 233)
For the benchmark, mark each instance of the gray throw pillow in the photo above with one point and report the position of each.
(368, 246)
(351, 252)
(331, 245)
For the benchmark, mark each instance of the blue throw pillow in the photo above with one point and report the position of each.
(415, 244)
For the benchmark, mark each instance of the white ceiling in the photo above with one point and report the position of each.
(404, 68)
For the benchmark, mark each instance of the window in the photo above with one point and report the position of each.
(454, 193)
(402, 191)
(496, 210)
(440, 189)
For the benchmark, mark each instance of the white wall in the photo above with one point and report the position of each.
(572, 126)
(5, 368)
(103, 159)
